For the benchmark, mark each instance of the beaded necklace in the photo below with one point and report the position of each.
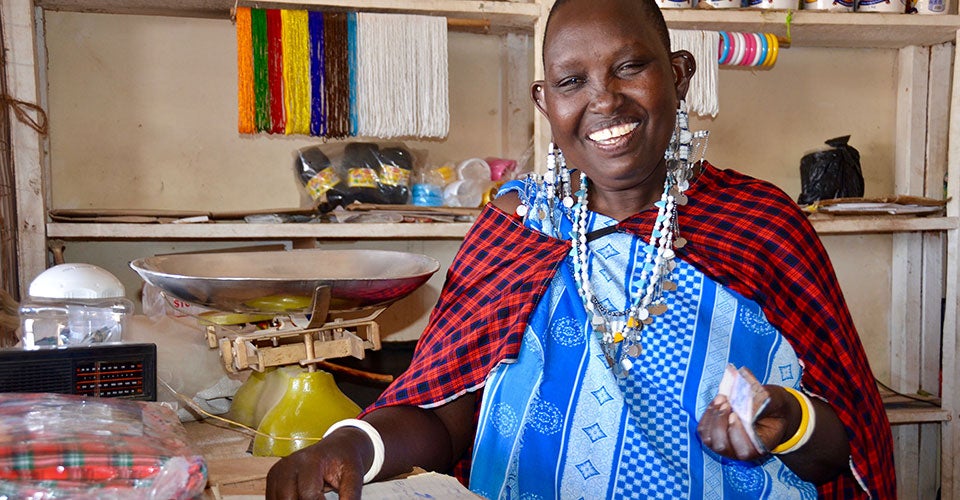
(619, 333)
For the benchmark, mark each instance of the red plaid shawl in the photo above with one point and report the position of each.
(743, 233)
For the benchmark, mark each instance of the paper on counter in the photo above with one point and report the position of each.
(426, 485)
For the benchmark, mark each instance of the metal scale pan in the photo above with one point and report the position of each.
(285, 281)
(327, 284)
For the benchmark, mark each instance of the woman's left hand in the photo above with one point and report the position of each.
(722, 431)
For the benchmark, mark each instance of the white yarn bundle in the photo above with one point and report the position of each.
(402, 76)
(702, 98)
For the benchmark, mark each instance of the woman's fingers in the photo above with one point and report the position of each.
(334, 463)
(722, 431)
(713, 425)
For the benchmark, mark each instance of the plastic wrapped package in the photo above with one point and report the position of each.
(336, 175)
(55, 446)
(831, 173)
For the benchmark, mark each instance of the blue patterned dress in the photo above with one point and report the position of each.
(557, 423)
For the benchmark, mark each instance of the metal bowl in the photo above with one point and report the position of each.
(285, 281)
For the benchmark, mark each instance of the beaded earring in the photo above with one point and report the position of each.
(551, 192)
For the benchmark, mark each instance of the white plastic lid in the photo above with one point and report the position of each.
(76, 281)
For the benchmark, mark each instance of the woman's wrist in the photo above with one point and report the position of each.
(375, 439)
(807, 424)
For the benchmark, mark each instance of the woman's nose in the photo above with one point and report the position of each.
(606, 96)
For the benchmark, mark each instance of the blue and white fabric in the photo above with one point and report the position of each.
(558, 423)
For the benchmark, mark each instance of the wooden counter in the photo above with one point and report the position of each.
(232, 472)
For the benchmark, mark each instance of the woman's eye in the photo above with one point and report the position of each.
(569, 82)
(631, 68)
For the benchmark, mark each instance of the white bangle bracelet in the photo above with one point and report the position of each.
(375, 440)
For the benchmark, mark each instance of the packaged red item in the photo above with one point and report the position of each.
(56, 446)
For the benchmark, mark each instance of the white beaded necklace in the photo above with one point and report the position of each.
(619, 338)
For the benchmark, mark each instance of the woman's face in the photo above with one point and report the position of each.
(610, 91)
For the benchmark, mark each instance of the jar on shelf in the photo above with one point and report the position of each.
(73, 304)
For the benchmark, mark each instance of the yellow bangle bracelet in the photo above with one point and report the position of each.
(804, 430)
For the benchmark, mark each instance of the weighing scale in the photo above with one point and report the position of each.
(274, 308)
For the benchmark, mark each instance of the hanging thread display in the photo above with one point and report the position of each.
(336, 75)
(402, 68)
(296, 71)
(712, 49)
(318, 111)
(246, 103)
(275, 71)
(702, 96)
(261, 79)
(336, 90)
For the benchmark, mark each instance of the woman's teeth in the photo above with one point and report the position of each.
(611, 134)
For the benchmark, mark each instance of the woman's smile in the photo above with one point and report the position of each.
(611, 136)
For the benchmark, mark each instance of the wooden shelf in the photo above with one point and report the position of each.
(914, 409)
(825, 29)
(244, 231)
(502, 15)
(881, 224)
(807, 28)
(439, 230)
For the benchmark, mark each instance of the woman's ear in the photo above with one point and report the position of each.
(536, 93)
(684, 66)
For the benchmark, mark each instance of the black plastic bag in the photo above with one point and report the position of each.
(338, 174)
(831, 173)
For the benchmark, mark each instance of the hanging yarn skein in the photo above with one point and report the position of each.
(402, 76)
(341, 74)
(702, 96)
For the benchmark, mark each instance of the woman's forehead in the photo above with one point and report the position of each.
(600, 11)
(571, 36)
(597, 20)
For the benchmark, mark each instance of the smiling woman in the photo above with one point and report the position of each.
(588, 320)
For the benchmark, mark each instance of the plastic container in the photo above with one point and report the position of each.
(930, 6)
(828, 5)
(722, 4)
(774, 4)
(675, 4)
(311, 404)
(74, 304)
(889, 6)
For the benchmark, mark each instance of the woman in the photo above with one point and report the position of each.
(580, 341)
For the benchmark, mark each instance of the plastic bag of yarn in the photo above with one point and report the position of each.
(336, 175)
(831, 173)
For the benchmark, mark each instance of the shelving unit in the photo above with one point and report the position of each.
(929, 150)
(237, 230)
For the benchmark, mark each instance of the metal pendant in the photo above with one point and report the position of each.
(657, 309)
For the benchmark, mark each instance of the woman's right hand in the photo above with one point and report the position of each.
(337, 462)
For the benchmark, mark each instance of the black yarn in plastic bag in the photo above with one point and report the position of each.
(339, 174)
(831, 173)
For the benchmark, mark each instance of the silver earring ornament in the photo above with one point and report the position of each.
(684, 145)
(551, 192)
